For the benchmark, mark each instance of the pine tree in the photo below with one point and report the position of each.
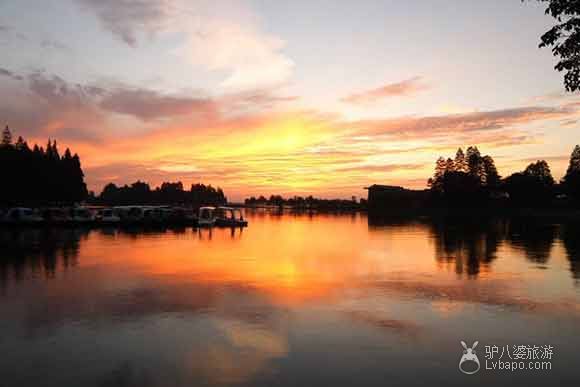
(571, 181)
(49, 149)
(475, 164)
(6, 137)
(440, 168)
(460, 162)
(574, 165)
(541, 171)
(79, 186)
(450, 165)
(21, 145)
(492, 178)
(55, 150)
(41, 178)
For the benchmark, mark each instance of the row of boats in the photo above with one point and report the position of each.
(129, 215)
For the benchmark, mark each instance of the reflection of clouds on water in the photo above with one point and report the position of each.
(385, 324)
(217, 333)
(499, 293)
(219, 307)
(242, 352)
(447, 308)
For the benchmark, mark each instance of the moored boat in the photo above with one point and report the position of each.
(107, 216)
(230, 217)
(183, 216)
(206, 217)
(22, 215)
(82, 215)
(56, 216)
(130, 214)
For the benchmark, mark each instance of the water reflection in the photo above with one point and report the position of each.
(534, 238)
(261, 306)
(470, 246)
(28, 252)
(570, 236)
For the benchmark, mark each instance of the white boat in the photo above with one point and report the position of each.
(82, 215)
(206, 217)
(230, 217)
(56, 215)
(158, 214)
(181, 215)
(130, 214)
(108, 216)
(21, 215)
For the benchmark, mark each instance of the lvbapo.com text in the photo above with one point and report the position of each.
(517, 365)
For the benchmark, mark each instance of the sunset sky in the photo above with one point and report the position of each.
(301, 97)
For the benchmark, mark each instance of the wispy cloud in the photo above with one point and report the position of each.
(217, 37)
(404, 88)
(128, 19)
(60, 103)
(248, 142)
(52, 44)
(149, 104)
(10, 74)
(454, 123)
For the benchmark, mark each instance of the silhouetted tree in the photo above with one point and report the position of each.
(492, 178)
(35, 177)
(168, 193)
(475, 164)
(465, 180)
(6, 137)
(541, 171)
(435, 183)
(461, 189)
(533, 187)
(564, 39)
(460, 161)
(449, 165)
(571, 181)
(21, 144)
(309, 203)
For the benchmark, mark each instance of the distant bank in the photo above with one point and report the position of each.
(386, 200)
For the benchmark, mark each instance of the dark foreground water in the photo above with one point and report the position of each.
(293, 300)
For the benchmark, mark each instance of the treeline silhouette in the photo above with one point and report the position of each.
(39, 176)
(471, 179)
(168, 193)
(309, 202)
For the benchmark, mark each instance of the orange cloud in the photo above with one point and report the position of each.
(404, 88)
(249, 142)
(454, 123)
(148, 104)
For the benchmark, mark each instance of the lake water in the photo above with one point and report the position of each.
(293, 300)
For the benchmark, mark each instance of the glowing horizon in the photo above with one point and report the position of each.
(247, 96)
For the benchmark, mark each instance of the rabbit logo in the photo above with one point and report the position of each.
(469, 355)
